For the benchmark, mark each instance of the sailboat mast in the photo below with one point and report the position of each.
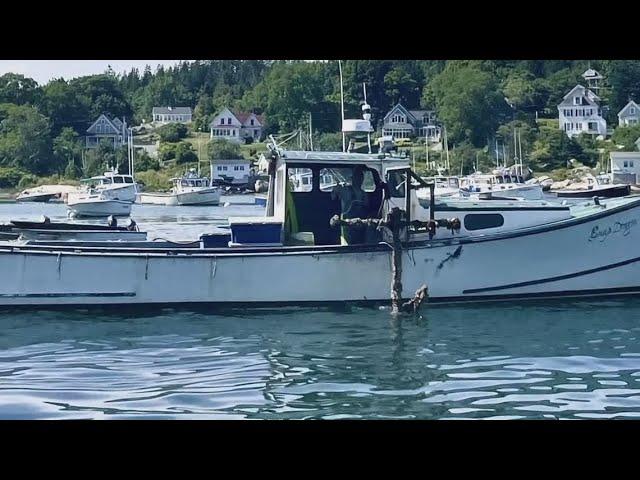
(344, 145)
(310, 133)
(520, 155)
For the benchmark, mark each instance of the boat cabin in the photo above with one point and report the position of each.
(185, 182)
(303, 200)
(109, 178)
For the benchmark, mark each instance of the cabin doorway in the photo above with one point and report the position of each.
(310, 202)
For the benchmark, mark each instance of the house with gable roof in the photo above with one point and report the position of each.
(580, 112)
(104, 128)
(164, 115)
(400, 122)
(629, 115)
(236, 126)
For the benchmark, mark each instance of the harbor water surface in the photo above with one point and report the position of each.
(553, 360)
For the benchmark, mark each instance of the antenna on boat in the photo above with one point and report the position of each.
(344, 145)
(366, 114)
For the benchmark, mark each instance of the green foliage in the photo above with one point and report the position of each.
(172, 132)
(181, 152)
(27, 180)
(145, 162)
(553, 149)
(468, 102)
(25, 140)
(18, 89)
(626, 136)
(154, 181)
(220, 149)
(328, 142)
(9, 177)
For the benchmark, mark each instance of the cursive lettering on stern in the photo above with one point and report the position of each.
(602, 233)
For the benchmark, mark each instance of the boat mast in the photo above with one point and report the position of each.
(446, 144)
(310, 133)
(344, 145)
(520, 142)
(366, 114)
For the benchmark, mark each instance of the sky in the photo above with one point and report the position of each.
(44, 70)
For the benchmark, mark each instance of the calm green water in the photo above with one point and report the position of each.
(543, 360)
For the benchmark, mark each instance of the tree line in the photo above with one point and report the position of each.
(480, 102)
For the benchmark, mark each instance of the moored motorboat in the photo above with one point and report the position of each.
(600, 186)
(46, 230)
(190, 189)
(45, 193)
(97, 205)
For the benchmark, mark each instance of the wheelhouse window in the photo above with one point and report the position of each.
(479, 221)
(301, 179)
(118, 180)
(330, 177)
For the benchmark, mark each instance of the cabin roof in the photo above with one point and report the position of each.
(339, 157)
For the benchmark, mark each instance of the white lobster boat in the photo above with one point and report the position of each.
(293, 256)
(189, 189)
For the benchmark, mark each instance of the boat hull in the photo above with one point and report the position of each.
(100, 208)
(82, 235)
(199, 197)
(42, 198)
(609, 192)
(166, 199)
(596, 254)
(202, 197)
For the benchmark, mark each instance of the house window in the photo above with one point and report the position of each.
(242, 167)
(229, 121)
(576, 101)
(222, 121)
(252, 122)
(397, 118)
(626, 164)
(632, 110)
(631, 163)
(219, 168)
(224, 168)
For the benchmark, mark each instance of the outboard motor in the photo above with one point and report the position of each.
(44, 219)
(111, 221)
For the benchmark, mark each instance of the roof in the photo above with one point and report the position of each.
(591, 97)
(228, 161)
(242, 117)
(592, 74)
(630, 104)
(624, 155)
(117, 127)
(339, 157)
(171, 110)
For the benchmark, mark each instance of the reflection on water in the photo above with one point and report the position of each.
(543, 360)
(551, 360)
